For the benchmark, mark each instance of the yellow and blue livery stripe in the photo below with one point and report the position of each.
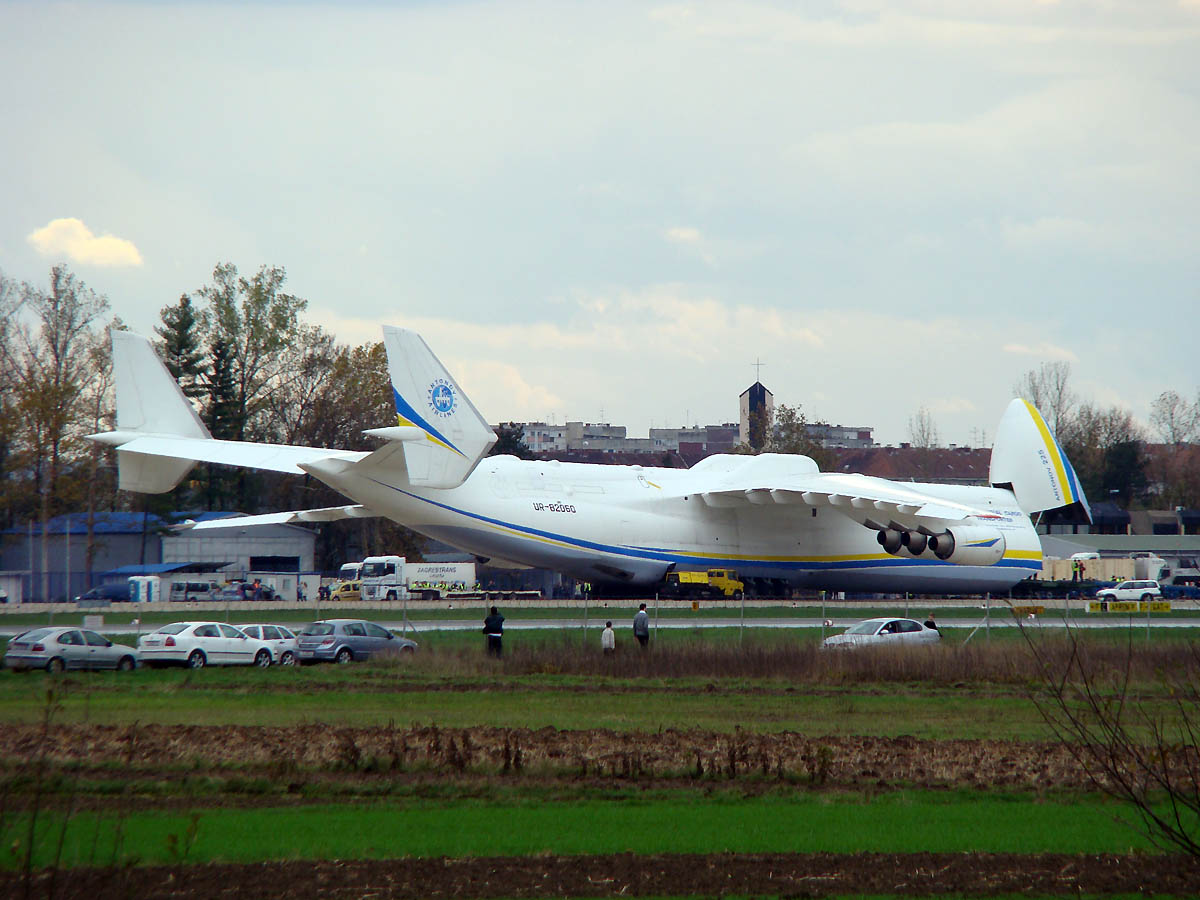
(406, 415)
(1068, 483)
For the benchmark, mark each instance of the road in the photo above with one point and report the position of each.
(1000, 620)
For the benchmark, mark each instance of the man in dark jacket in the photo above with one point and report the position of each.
(493, 627)
(641, 626)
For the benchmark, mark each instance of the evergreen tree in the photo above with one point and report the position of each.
(181, 347)
(221, 417)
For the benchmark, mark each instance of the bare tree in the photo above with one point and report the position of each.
(1174, 418)
(923, 430)
(98, 412)
(257, 321)
(1048, 387)
(11, 301)
(1140, 749)
(50, 370)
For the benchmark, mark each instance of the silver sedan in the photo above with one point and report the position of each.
(57, 649)
(885, 630)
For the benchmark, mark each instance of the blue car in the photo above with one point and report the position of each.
(346, 640)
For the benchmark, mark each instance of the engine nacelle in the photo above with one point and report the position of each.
(914, 542)
(969, 545)
(890, 540)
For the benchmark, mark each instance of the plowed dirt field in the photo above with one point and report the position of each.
(792, 875)
(292, 754)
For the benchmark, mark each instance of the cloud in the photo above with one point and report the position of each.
(74, 240)
(1044, 350)
(527, 402)
(1054, 231)
(684, 235)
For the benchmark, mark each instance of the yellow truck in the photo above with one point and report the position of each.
(713, 583)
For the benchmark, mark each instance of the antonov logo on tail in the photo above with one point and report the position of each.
(755, 514)
(441, 397)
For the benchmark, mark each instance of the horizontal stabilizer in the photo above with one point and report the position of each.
(326, 514)
(273, 457)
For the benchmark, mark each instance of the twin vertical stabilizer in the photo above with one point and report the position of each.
(1027, 457)
(443, 434)
(149, 402)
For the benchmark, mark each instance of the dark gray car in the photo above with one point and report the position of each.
(343, 640)
(56, 649)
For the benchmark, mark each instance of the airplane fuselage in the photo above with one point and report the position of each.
(633, 524)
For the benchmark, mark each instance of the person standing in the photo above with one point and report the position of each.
(641, 626)
(932, 623)
(493, 627)
(608, 640)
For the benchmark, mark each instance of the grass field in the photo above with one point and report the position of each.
(676, 822)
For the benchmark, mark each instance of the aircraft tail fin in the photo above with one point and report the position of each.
(443, 434)
(149, 401)
(1027, 457)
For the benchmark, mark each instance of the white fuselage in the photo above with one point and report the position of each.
(633, 524)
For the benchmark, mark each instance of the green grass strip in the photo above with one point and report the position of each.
(902, 822)
(161, 697)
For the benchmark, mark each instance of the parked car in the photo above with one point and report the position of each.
(57, 649)
(113, 593)
(1131, 590)
(343, 640)
(199, 644)
(347, 590)
(282, 641)
(884, 630)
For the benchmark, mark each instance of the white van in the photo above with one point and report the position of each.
(194, 590)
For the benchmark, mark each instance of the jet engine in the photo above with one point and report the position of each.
(890, 539)
(899, 541)
(969, 545)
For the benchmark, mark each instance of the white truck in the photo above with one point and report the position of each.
(383, 578)
(389, 577)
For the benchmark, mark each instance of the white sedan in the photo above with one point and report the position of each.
(281, 640)
(884, 630)
(199, 644)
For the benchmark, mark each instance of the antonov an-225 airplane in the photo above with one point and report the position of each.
(769, 516)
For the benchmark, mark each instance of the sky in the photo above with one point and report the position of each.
(611, 211)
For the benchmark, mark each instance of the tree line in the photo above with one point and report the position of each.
(241, 351)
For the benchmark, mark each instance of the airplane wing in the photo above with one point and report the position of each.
(859, 496)
(326, 514)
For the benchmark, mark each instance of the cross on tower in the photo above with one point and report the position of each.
(758, 369)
